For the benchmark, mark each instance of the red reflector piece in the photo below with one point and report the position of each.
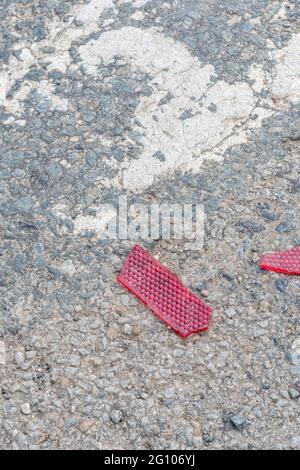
(287, 262)
(164, 293)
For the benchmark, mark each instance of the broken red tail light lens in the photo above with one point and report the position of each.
(164, 293)
(287, 262)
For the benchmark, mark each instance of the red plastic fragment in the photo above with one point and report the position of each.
(164, 293)
(287, 262)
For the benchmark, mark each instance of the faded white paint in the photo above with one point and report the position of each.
(10, 74)
(138, 15)
(286, 85)
(185, 143)
(258, 76)
(97, 223)
(139, 3)
(92, 10)
(61, 39)
(136, 3)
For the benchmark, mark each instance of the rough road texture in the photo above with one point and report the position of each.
(165, 101)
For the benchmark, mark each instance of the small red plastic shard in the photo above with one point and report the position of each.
(287, 262)
(164, 293)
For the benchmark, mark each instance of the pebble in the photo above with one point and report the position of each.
(295, 442)
(127, 329)
(39, 32)
(159, 156)
(178, 353)
(85, 425)
(125, 299)
(251, 227)
(30, 355)
(68, 268)
(26, 409)
(281, 284)
(284, 227)
(208, 438)
(294, 394)
(97, 361)
(204, 293)
(24, 203)
(20, 262)
(21, 362)
(230, 312)
(74, 360)
(54, 170)
(116, 416)
(19, 358)
(238, 421)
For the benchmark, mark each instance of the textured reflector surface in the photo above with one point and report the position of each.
(287, 262)
(164, 293)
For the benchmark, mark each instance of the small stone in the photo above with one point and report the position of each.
(74, 360)
(39, 32)
(30, 355)
(88, 116)
(159, 156)
(116, 416)
(229, 277)
(208, 439)
(269, 216)
(91, 158)
(78, 23)
(295, 442)
(85, 425)
(97, 361)
(230, 312)
(178, 353)
(127, 329)
(79, 146)
(250, 226)
(13, 329)
(295, 352)
(54, 170)
(281, 284)
(212, 108)
(24, 203)
(43, 106)
(48, 50)
(284, 227)
(295, 371)
(68, 268)
(294, 394)
(204, 293)
(238, 421)
(125, 299)
(19, 358)
(255, 258)
(2, 353)
(26, 409)
(264, 306)
(136, 330)
(20, 262)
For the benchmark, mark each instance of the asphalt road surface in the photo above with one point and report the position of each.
(156, 102)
